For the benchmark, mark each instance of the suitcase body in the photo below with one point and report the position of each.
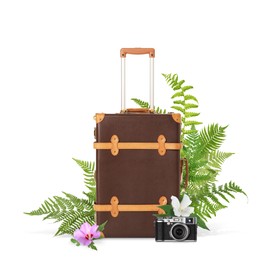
(137, 169)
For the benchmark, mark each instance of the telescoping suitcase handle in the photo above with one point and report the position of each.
(123, 54)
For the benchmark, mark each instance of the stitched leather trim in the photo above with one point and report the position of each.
(115, 145)
(115, 208)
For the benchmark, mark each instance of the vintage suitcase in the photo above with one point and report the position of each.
(137, 163)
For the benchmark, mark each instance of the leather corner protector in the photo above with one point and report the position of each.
(99, 117)
(176, 117)
(161, 142)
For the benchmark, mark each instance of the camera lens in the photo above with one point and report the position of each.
(179, 231)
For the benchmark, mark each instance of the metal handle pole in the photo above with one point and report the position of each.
(123, 84)
(151, 84)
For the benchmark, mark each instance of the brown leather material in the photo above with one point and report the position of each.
(177, 117)
(135, 176)
(99, 117)
(115, 208)
(149, 51)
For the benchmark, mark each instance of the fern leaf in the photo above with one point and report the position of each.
(217, 158)
(179, 109)
(180, 83)
(72, 222)
(144, 104)
(179, 102)
(216, 191)
(178, 94)
(189, 131)
(159, 110)
(190, 97)
(190, 105)
(191, 123)
(88, 168)
(185, 88)
(212, 137)
(140, 103)
(191, 114)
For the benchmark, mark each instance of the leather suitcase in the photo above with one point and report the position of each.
(137, 163)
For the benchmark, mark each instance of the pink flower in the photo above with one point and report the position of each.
(86, 233)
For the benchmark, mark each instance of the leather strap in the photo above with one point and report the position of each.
(184, 161)
(115, 145)
(115, 208)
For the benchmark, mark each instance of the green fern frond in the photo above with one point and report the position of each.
(71, 211)
(191, 123)
(190, 97)
(190, 105)
(145, 104)
(140, 103)
(73, 221)
(217, 158)
(179, 102)
(180, 109)
(172, 80)
(178, 94)
(206, 201)
(189, 131)
(191, 114)
(159, 110)
(231, 187)
(185, 88)
(212, 137)
(89, 169)
(201, 179)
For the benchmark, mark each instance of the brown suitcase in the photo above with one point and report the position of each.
(137, 164)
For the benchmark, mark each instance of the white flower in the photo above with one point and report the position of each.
(181, 209)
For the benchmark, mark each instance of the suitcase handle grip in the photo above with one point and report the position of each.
(138, 110)
(123, 53)
(149, 51)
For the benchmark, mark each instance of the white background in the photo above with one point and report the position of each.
(59, 65)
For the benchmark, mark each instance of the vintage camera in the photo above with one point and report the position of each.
(176, 229)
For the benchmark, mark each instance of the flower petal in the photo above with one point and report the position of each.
(188, 211)
(177, 212)
(78, 234)
(80, 237)
(185, 201)
(175, 203)
(97, 234)
(86, 228)
(93, 229)
(85, 242)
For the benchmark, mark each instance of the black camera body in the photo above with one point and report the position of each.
(176, 229)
